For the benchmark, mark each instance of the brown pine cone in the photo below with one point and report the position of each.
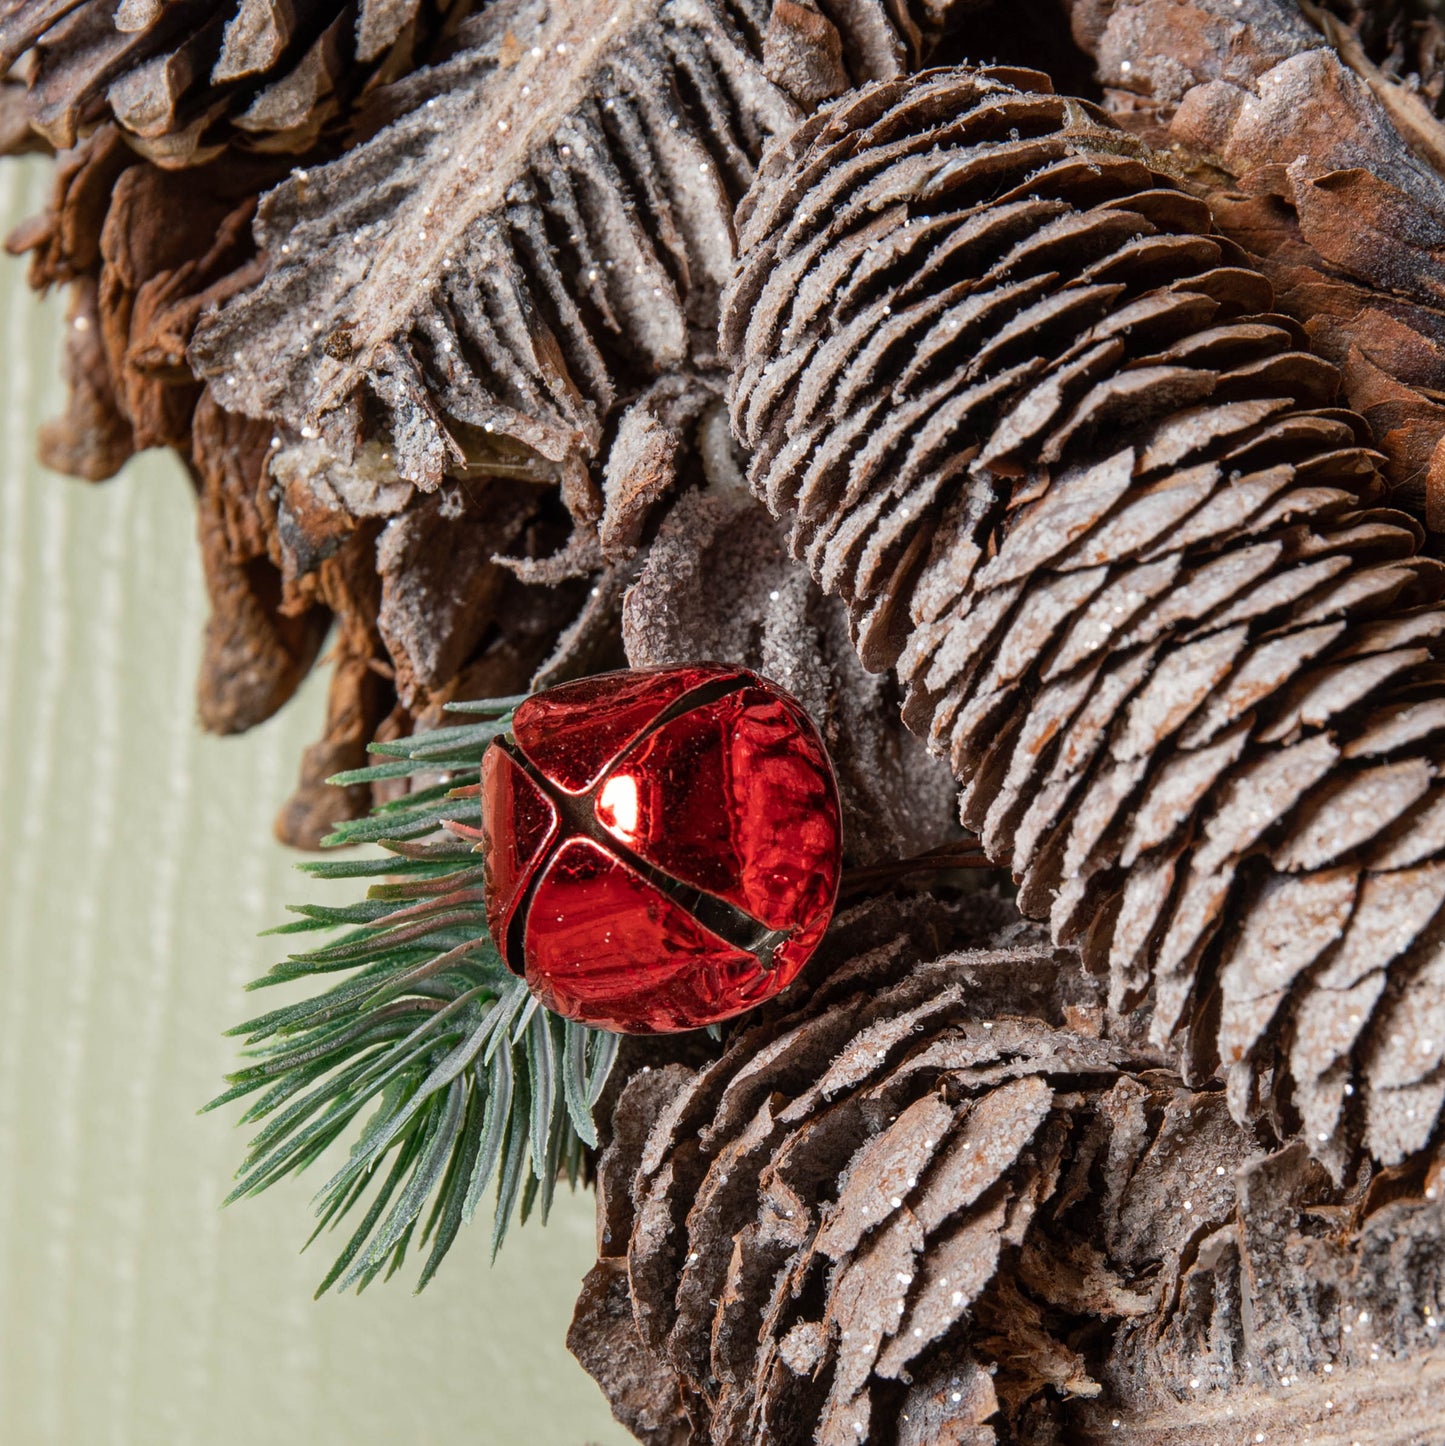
(1041, 433)
(922, 1202)
(183, 79)
(1320, 151)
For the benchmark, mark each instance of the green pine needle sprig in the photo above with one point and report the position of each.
(428, 1042)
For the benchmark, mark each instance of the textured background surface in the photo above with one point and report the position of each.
(136, 867)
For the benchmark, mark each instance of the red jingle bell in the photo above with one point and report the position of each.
(662, 846)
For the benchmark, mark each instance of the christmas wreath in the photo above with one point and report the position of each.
(886, 634)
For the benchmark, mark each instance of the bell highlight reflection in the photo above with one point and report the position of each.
(617, 805)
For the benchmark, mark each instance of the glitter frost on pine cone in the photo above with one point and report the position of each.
(184, 79)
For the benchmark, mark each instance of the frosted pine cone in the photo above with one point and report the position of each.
(919, 1201)
(1040, 431)
(1306, 134)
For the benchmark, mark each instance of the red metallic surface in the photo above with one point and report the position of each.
(701, 781)
(692, 811)
(573, 732)
(526, 819)
(605, 946)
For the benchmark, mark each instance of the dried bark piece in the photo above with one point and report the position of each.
(358, 700)
(165, 242)
(93, 440)
(642, 463)
(950, 1407)
(604, 1338)
(254, 655)
(1189, 552)
(16, 137)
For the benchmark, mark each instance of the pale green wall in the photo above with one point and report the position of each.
(136, 867)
